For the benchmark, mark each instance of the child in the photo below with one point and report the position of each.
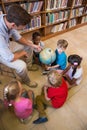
(21, 100)
(53, 95)
(73, 73)
(36, 38)
(61, 58)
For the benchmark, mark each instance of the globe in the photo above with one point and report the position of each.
(47, 56)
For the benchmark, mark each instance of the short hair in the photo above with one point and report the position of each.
(35, 34)
(12, 90)
(62, 43)
(54, 78)
(18, 15)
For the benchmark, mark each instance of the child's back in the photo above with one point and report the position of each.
(61, 60)
(23, 107)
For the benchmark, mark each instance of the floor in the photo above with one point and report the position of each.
(73, 114)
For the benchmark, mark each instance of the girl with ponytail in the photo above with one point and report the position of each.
(73, 73)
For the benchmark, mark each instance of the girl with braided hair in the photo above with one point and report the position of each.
(73, 73)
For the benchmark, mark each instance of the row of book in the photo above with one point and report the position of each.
(32, 7)
(55, 4)
(59, 27)
(77, 12)
(35, 23)
(72, 23)
(84, 19)
(56, 17)
(77, 2)
(55, 28)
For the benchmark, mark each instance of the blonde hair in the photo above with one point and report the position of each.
(54, 78)
(11, 90)
(62, 43)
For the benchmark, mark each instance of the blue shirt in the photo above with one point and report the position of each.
(61, 60)
(5, 34)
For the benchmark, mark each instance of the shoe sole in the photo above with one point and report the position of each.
(33, 86)
(40, 122)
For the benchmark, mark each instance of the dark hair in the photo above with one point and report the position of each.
(18, 15)
(62, 43)
(35, 34)
(74, 60)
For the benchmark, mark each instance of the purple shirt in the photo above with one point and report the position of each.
(23, 108)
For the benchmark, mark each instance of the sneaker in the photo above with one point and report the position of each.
(40, 120)
(25, 121)
(31, 84)
(33, 68)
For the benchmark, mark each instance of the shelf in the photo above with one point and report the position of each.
(46, 14)
(79, 6)
(78, 16)
(31, 30)
(59, 9)
(36, 13)
(61, 21)
(63, 31)
(13, 1)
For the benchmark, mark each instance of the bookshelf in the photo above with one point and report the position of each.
(51, 17)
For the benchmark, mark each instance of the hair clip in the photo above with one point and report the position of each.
(5, 92)
(75, 63)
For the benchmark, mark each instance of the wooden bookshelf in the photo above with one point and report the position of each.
(51, 17)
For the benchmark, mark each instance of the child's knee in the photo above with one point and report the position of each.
(38, 97)
(21, 66)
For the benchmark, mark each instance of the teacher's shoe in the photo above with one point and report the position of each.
(31, 84)
(33, 67)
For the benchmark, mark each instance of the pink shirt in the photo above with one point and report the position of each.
(23, 108)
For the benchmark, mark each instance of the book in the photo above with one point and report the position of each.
(40, 6)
